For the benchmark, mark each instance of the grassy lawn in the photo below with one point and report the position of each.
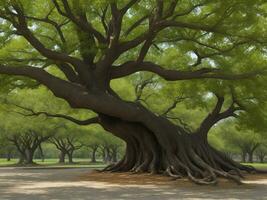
(82, 162)
(257, 165)
(53, 162)
(4, 162)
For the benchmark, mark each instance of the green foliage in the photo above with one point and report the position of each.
(236, 44)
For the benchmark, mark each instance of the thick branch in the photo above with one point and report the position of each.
(131, 67)
(56, 85)
(216, 115)
(23, 30)
(69, 72)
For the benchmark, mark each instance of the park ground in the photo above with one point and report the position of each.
(45, 183)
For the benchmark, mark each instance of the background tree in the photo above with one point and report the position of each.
(261, 152)
(25, 134)
(92, 143)
(67, 140)
(7, 150)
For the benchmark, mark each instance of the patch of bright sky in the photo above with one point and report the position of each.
(56, 47)
(193, 56)
(33, 27)
(208, 96)
(2, 21)
(197, 11)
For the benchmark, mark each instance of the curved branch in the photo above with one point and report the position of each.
(22, 29)
(56, 85)
(131, 67)
(216, 115)
(173, 105)
(31, 112)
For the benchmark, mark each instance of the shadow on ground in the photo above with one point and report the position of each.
(67, 184)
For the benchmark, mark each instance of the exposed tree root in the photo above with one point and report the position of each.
(195, 167)
(188, 155)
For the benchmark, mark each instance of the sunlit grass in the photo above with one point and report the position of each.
(257, 165)
(3, 161)
(53, 162)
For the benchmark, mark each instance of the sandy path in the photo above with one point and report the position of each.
(59, 184)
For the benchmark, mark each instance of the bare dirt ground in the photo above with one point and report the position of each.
(85, 184)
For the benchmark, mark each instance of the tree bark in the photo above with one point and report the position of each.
(93, 158)
(261, 158)
(41, 152)
(108, 155)
(250, 157)
(70, 157)
(104, 155)
(22, 159)
(8, 156)
(29, 156)
(243, 157)
(62, 156)
(173, 152)
(114, 156)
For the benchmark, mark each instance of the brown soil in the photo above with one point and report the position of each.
(148, 179)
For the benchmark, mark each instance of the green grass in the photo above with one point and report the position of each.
(53, 162)
(257, 165)
(82, 162)
(4, 162)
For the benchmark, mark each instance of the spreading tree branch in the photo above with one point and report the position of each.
(31, 112)
(217, 114)
(131, 67)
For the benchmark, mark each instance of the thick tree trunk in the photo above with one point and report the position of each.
(171, 151)
(62, 156)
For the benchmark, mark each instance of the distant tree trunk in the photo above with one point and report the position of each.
(250, 156)
(62, 156)
(108, 155)
(229, 154)
(41, 152)
(29, 156)
(93, 159)
(243, 157)
(8, 156)
(261, 158)
(114, 156)
(261, 155)
(70, 156)
(104, 155)
(251, 152)
(22, 158)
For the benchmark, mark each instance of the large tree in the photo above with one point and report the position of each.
(25, 134)
(92, 43)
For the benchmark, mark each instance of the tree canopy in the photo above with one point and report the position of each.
(156, 74)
